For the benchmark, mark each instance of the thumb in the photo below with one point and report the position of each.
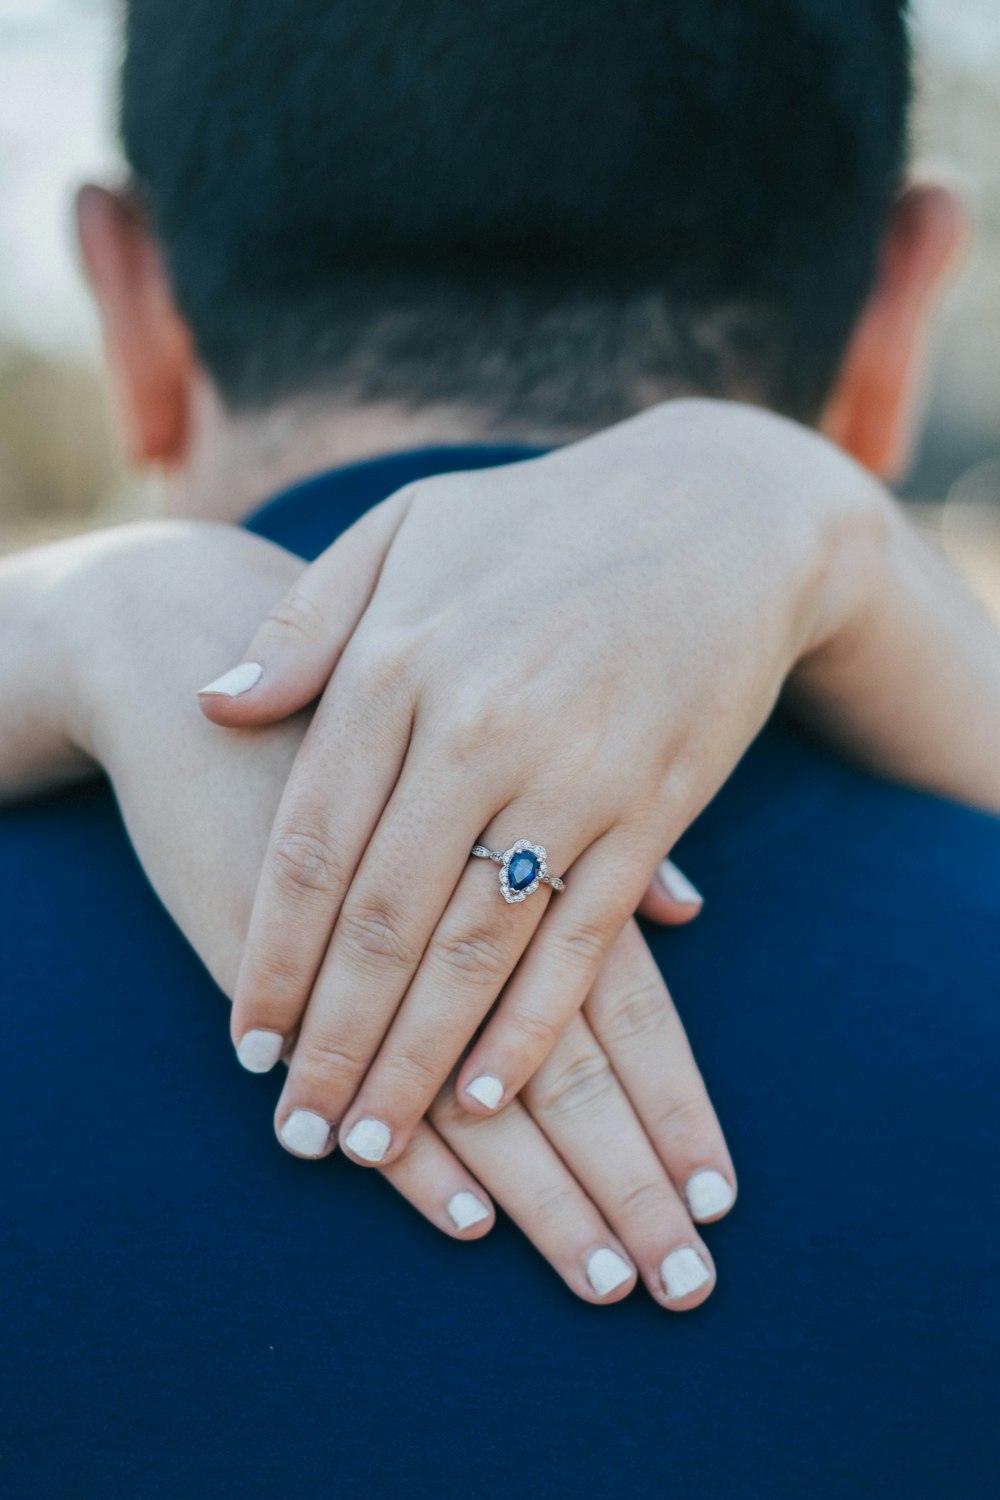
(670, 897)
(297, 646)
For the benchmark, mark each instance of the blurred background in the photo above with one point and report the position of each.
(59, 467)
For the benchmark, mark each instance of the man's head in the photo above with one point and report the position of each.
(546, 215)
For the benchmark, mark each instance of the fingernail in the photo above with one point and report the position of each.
(708, 1194)
(465, 1209)
(258, 1051)
(234, 683)
(677, 885)
(305, 1133)
(487, 1090)
(369, 1139)
(606, 1270)
(683, 1272)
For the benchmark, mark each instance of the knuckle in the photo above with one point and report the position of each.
(479, 722)
(372, 935)
(584, 945)
(681, 1119)
(303, 859)
(557, 1202)
(380, 669)
(412, 1074)
(574, 1089)
(323, 1062)
(297, 615)
(273, 978)
(643, 1199)
(532, 1033)
(634, 1014)
(582, 759)
(480, 956)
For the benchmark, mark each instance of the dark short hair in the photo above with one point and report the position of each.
(560, 208)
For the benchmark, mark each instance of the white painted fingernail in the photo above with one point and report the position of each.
(235, 682)
(677, 885)
(305, 1133)
(606, 1270)
(708, 1194)
(369, 1139)
(683, 1272)
(487, 1089)
(465, 1209)
(258, 1051)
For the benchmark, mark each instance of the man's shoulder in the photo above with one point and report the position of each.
(78, 909)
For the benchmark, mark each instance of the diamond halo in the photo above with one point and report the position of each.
(522, 846)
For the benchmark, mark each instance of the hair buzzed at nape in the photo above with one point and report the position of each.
(553, 213)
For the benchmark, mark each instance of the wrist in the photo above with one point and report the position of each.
(856, 523)
(815, 523)
(159, 607)
(98, 623)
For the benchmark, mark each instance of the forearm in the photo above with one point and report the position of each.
(893, 659)
(105, 640)
(910, 682)
(36, 748)
(198, 803)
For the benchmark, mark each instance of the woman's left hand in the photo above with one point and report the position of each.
(570, 651)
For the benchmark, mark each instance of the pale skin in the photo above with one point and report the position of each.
(591, 1162)
(854, 608)
(480, 686)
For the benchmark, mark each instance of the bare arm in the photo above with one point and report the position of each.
(573, 651)
(140, 612)
(910, 682)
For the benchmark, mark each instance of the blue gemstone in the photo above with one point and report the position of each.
(522, 870)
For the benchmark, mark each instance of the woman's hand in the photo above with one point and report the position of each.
(593, 1159)
(614, 1150)
(574, 651)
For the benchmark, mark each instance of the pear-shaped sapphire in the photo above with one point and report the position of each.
(522, 869)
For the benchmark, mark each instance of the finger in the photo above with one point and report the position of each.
(471, 953)
(580, 1105)
(554, 977)
(433, 1179)
(356, 744)
(428, 1175)
(469, 957)
(412, 863)
(532, 1185)
(293, 654)
(670, 898)
(634, 1020)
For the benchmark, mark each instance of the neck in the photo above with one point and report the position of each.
(232, 464)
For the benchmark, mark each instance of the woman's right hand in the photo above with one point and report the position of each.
(613, 1131)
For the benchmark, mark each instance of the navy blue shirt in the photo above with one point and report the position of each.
(187, 1311)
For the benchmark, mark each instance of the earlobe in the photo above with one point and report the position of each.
(873, 409)
(148, 347)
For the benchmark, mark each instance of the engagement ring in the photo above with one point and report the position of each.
(523, 868)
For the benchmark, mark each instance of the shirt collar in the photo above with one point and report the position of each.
(306, 517)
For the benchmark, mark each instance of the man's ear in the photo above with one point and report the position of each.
(148, 347)
(873, 408)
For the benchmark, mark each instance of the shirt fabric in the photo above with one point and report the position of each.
(188, 1311)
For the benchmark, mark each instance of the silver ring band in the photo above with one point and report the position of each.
(523, 868)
